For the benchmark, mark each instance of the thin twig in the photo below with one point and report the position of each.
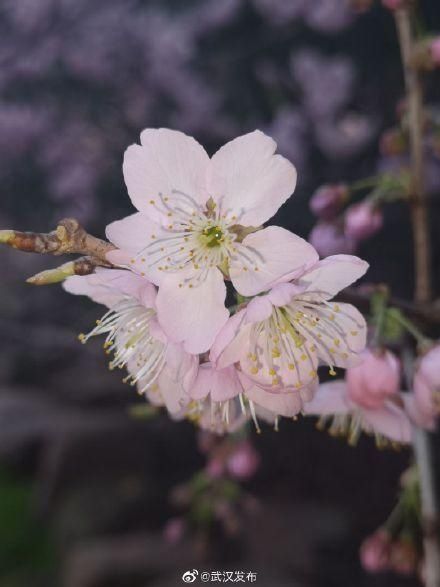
(419, 211)
(422, 260)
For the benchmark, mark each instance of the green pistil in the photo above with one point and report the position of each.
(213, 236)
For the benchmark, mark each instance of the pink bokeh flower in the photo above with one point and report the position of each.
(375, 551)
(189, 228)
(244, 461)
(279, 338)
(346, 417)
(435, 51)
(329, 239)
(327, 200)
(158, 367)
(362, 220)
(375, 379)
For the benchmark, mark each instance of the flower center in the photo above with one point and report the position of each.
(213, 236)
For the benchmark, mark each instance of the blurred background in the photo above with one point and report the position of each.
(86, 479)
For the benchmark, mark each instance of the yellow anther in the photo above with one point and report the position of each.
(272, 372)
(291, 366)
(332, 372)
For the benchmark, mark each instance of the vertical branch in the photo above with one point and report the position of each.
(422, 259)
(419, 210)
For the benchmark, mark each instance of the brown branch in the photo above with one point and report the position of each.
(69, 237)
(419, 210)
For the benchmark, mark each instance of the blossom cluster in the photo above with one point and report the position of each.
(198, 231)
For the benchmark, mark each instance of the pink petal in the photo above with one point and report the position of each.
(176, 378)
(248, 181)
(226, 349)
(132, 235)
(277, 252)
(258, 309)
(109, 286)
(167, 160)
(330, 398)
(282, 294)
(390, 421)
(342, 330)
(285, 403)
(333, 274)
(221, 384)
(192, 315)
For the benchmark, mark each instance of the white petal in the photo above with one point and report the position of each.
(192, 315)
(167, 160)
(333, 274)
(277, 253)
(248, 181)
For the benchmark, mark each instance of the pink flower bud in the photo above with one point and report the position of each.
(374, 380)
(435, 51)
(174, 530)
(328, 239)
(243, 462)
(427, 383)
(375, 552)
(327, 200)
(363, 220)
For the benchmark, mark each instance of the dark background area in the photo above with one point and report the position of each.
(83, 484)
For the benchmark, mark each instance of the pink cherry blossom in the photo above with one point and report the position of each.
(158, 367)
(375, 379)
(224, 399)
(333, 404)
(187, 230)
(362, 220)
(427, 384)
(279, 338)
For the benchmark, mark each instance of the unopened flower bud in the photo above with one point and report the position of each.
(328, 239)
(375, 551)
(375, 379)
(363, 220)
(243, 462)
(328, 199)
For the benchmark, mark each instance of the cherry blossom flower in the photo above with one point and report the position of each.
(223, 391)
(334, 404)
(158, 367)
(279, 338)
(194, 213)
